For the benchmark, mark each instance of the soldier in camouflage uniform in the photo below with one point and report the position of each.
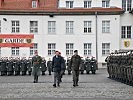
(36, 62)
(74, 64)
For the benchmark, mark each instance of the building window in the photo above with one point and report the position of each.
(87, 4)
(51, 27)
(105, 26)
(106, 3)
(127, 5)
(87, 26)
(51, 49)
(33, 49)
(69, 4)
(69, 26)
(69, 49)
(34, 4)
(15, 51)
(15, 27)
(87, 49)
(33, 26)
(105, 49)
(126, 32)
(0, 26)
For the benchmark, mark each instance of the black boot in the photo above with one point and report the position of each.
(74, 83)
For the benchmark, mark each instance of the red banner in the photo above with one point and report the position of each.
(16, 40)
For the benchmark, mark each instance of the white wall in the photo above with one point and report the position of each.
(61, 38)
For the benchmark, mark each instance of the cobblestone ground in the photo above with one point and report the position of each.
(91, 87)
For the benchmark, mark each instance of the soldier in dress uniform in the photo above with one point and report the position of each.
(23, 66)
(3, 67)
(49, 66)
(29, 65)
(82, 66)
(10, 70)
(16, 64)
(43, 66)
(36, 62)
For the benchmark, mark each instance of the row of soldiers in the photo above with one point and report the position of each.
(24, 66)
(120, 66)
(87, 64)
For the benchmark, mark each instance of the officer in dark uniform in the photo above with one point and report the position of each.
(23, 66)
(29, 65)
(10, 70)
(49, 66)
(3, 68)
(36, 62)
(16, 63)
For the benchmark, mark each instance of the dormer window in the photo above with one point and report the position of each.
(69, 4)
(34, 4)
(105, 3)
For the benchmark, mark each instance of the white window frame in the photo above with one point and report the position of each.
(69, 27)
(87, 3)
(105, 3)
(15, 51)
(106, 26)
(105, 49)
(126, 5)
(33, 26)
(69, 49)
(87, 26)
(34, 4)
(126, 32)
(87, 49)
(51, 27)
(33, 49)
(69, 4)
(15, 26)
(51, 49)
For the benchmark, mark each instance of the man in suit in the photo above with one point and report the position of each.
(56, 65)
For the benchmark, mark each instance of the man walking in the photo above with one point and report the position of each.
(74, 64)
(36, 62)
(56, 65)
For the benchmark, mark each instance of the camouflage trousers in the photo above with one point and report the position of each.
(75, 74)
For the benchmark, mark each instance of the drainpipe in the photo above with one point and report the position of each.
(96, 37)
